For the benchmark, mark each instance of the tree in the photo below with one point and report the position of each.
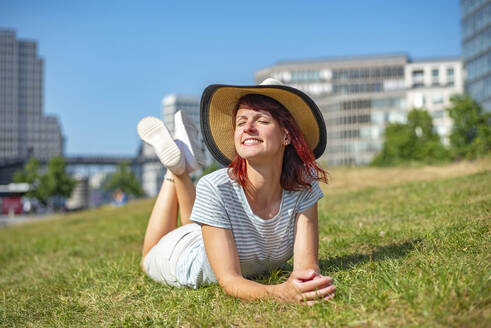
(396, 145)
(210, 168)
(124, 180)
(426, 143)
(413, 141)
(471, 132)
(30, 174)
(55, 182)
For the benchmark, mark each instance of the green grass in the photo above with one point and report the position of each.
(413, 254)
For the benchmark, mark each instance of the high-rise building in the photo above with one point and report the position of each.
(358, 96)
(24, 130)
(476, 49)
(189, 105)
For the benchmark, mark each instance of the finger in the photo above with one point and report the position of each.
(328, 297)
(321, 276)
(303, 274)
(311, 285)
(320, 293)
(312, 302)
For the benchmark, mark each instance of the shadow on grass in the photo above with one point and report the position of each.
(391, 251)
(345, 262)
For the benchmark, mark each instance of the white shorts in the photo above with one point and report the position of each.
(160, 263)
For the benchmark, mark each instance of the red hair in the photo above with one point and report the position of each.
(299, 167)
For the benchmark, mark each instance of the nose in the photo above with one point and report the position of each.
(249, 126)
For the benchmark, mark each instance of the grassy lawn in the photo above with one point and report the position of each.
(405, 247)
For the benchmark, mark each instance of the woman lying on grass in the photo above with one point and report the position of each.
(251, 216)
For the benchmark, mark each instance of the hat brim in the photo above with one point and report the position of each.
(217, 109)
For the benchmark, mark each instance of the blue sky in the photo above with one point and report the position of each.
(109, 63)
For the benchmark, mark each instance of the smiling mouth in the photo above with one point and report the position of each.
(251, 141)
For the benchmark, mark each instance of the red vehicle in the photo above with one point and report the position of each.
(12, 204)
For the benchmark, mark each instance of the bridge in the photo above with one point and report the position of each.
(84, 160)
(9, 166)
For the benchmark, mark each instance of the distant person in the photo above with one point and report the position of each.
(26, 205)
(251, 216)
(119, 198)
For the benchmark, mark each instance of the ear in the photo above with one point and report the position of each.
(287, 138)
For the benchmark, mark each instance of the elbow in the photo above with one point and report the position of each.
(229, 285)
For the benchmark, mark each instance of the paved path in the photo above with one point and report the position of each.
(6, 220)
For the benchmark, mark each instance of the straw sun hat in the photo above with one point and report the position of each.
(217, 109)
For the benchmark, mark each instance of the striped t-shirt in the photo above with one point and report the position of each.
(262, 245)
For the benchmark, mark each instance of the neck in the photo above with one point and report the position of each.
(264, 181)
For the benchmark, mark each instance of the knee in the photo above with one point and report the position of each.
(142, 265)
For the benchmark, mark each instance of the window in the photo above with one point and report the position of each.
(437, 99)
(435, 77)
(438, 114)
(347, 134)
(419, 100)
(418, 74)
(418, 78)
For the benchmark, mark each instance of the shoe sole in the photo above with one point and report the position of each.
(153, 132)
(198, 154)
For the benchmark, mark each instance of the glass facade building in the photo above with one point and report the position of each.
(476, 49)
(358, 96)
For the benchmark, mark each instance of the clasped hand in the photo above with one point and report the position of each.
(306, 287)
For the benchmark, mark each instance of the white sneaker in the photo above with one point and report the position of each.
(186, 135)
(153, 132)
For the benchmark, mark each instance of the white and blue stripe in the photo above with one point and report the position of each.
(261, 244)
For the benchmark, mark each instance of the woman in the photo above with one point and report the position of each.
(251, 216)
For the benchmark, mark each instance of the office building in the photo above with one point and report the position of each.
(430, 84)
(476, 49)
(358, 96)
(24, 129)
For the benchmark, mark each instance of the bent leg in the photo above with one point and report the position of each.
(164, 216)
(186, 194)
(177, 191)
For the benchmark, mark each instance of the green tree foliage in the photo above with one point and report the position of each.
(30, 174)
(124, 180)
(414, 141)
(54, 182)
(471, 132)
(210, 168)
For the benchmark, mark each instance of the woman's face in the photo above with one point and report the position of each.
(258, 135)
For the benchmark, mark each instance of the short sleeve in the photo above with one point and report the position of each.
(310, 197)
(208, 206)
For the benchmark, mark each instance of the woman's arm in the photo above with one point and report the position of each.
(224, 260)
(306, 245)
